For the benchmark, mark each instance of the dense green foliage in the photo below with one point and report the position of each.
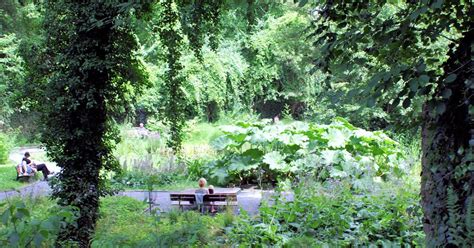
(29, 222)
(4, 148)
(416, 53)
(69, 72)
(329, 214)
(262, 153)
(124, 224)
(319, 215)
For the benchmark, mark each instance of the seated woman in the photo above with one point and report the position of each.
(24, 170)
(200, 193)
(27, 166)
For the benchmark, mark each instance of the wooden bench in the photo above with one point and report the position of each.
(25, 178)
(182, 199)
(216, 199)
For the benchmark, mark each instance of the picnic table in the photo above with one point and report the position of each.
(220, 197)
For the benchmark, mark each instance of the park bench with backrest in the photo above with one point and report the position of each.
(25, 177)
(217, 199)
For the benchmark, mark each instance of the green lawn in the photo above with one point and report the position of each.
(8, 178)
(201, 133)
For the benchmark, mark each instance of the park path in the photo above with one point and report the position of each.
(248, 199)
(16, 155)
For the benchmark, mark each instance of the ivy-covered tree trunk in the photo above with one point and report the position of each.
(174, 98)
(80, 116)
(448, 169)
(90, 47)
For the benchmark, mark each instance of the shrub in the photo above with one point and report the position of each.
(335, 216)
(28, 222)
(4, 148)
(258, 152)
(123, 223)
(140, 179)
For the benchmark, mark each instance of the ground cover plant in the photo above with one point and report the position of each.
(260, 152)
(123, 223)
(29, 222)
(332, 214)
(318, 216)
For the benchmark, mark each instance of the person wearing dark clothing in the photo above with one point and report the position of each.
(39, 167)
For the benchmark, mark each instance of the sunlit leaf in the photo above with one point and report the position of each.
(336, 138)
(275, 160)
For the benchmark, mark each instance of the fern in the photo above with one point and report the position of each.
(470, 220)
(453, 218)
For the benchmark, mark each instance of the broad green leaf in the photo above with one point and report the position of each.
(447, 93)
(38, 239)
(450, 78)
(222, 143)
(14, 239)
(336, 138)
(437, 4)
(229, 129)
(413, 85)
(241, 163)
(423, 79)
(275, 160)
(344, 122)
(299, 139)
(5, 216)
(254, 153)
(221, 175)
(23, 212)
(329, 157)
(302, 3)
(440, 108)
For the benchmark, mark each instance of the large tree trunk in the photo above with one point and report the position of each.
(448, 172)
(76, 134)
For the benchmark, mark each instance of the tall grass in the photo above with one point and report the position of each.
(411, 144)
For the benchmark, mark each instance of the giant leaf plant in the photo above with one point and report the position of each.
(262, 152)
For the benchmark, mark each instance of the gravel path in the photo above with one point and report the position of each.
(248, 200)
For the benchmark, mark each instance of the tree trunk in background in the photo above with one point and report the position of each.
(447, 171)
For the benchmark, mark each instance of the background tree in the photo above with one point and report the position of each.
(195, 19)
(404, 45)
(20, 36)
(261, 69)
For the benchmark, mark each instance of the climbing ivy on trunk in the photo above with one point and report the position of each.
(447, 178)
(174, 99)
(92, 69)
(194, 19)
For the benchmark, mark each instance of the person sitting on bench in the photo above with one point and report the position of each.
(28, 165)
(23, 170)
(211, 191)
(200, 193)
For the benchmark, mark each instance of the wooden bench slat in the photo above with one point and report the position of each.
(182, 203)
(216, 199)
